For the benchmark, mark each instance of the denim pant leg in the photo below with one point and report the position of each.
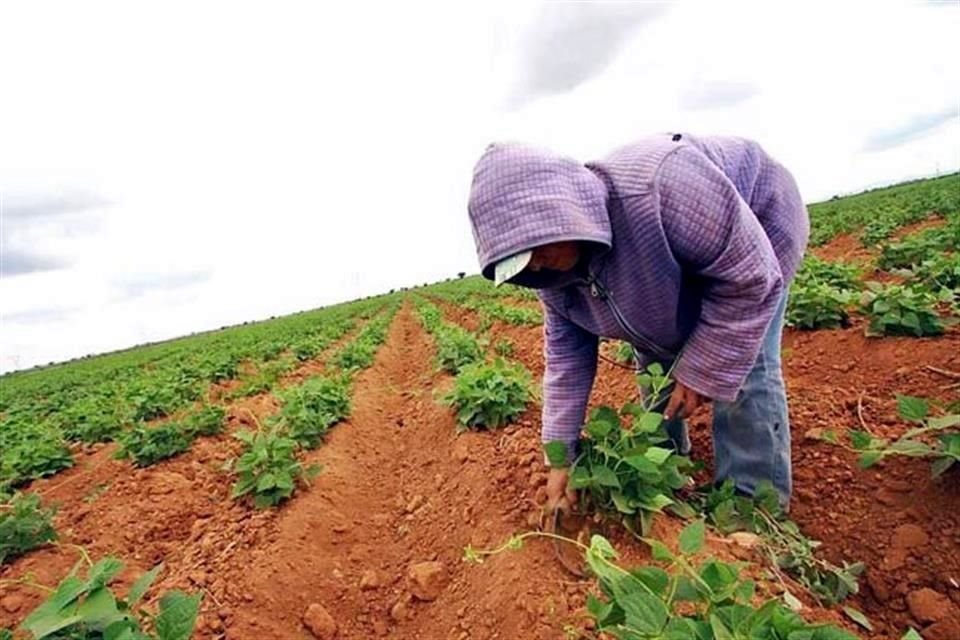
(751, 435)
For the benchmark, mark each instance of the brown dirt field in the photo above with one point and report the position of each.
(847, 246)
(400, 488)
(863, 515)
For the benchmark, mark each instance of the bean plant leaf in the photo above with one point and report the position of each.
(140, 587)
(692, 537)
(911, 408)
(556, 452)
(178, 615)
(858, 616)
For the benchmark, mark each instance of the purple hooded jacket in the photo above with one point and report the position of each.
(691, 241)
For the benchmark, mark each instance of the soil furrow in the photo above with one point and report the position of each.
(401, 488)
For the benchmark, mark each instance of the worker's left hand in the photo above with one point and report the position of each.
(683, 402)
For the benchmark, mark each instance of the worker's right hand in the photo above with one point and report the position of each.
(560, 495)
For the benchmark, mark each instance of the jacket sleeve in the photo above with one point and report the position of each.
(570, 353)
(713, 232)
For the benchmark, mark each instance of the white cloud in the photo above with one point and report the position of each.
(272, 158)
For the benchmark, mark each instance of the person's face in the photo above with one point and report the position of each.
(558, 256)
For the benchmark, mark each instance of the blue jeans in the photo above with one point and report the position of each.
(751, 435)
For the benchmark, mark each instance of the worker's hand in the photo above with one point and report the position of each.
(559, 493)
(683, 402)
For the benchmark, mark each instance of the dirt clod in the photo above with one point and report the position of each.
(11, 603)
(369, 580)
(426, 580)
(907, 536)
(320, 623)
(927, 605)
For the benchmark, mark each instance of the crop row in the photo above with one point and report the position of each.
(267, 469)
(486, 393)
(927, 265)
(113, 398)
(880, 212)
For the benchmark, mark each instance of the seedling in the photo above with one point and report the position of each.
(629, 471)
(818, 305)
(489, 395)
(148, 445)
(24, 525)
(84, 607)
(689, 596)
(780, 540)
(311, 408)
(901, 310)
(268, 469)
(935, 437)
(456, 347)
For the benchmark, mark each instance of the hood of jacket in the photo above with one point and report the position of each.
(523, 197)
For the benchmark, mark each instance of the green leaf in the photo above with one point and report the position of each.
(140, 587)
(599, 429)
(869, 458)
(944, 422)
(692, 537)
(911, 408)
(649, 422)
(556, 452)
(655, 578)
(940, 465)
(622, 502)
(645, 612)
(178, 615)
(657, 455)
(659, 551)
(860, 439)
(99, 608)
(792, 601)
(604, 476)
(58, 611)
(912, 634)
(857, 616)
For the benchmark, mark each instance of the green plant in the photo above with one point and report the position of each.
(90, 419)
(359, 354)
(503, 348)
(835, 273)
(878, 230)
(208, 421)
(817, 305)
(148, 445)
(86, 608)
(312, 407)
(624, 352)
(24, 525)
(268, 468)
(944, 450)
(939, 272)
(489, 395)
(780, 541)
(430, 316)
(456, 347)
(901, 310)
(687, 598)
(633, 471)
(30, 452)
(920, 246)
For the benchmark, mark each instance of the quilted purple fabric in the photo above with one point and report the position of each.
(689, 243)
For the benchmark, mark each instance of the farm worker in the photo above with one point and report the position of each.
(683, 246)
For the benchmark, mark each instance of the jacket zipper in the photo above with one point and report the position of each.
(597, 290)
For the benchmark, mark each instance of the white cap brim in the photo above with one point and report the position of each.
(509, 267)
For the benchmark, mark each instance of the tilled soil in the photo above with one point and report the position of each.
(374, 546)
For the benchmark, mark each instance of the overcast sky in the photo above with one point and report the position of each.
(193, 164)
